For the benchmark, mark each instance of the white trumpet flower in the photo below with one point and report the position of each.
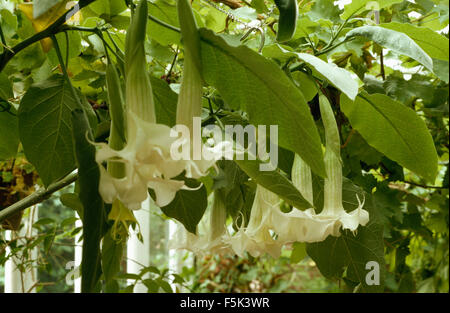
(148, 164)
(308, 226)
(211, 231)
(257, 238)
(146, 155)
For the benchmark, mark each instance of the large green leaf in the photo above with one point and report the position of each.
(356, 7)
(9, 135)
(45, 128)
(339, 77)
(93, 205)
(350, 253)
(166, 12)
(243, 80)
(394, 40)
(165, 102)
(288, 19)
(6, 90)
(395, 130)
(441, 69)
(275, 182)
(434, 44)
(188, 206)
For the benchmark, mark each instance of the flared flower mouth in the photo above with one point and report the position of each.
(308, 226)
(148, 164)
(257, 238)
(210, 232)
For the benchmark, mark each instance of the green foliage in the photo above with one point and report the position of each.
(397, 41)
(188, 207)
(388, 89)
(275, 182)
(45, 125)
(394, 130)
(240, 75)
(351, 252)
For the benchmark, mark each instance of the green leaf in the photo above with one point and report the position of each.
(165, 102)
(152, 286)
(349, 253)
(45, 128)
(275, 182)
(166, 12)
(241, 76)
(395, 130)
(298, 252)
(306, 84)
(394, 40)
(6, 91)
(259, 6)
(441, 69)
(188, 206)
(356, 7)
(434, 44)
(112, 252)
(9, 135)
(93, 205)
(164, 285)
(324, 10)
(288, 19)
(339, 77)
(71, 200)
(108, 7)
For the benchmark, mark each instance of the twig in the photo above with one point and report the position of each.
(348, 138)
(37, 196)
(169, 73)
(164, 24)
(424, 186)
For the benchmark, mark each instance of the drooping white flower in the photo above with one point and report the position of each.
(147, 165)
(308, 226)
(210, 232)
(146, 155)
(257, 238)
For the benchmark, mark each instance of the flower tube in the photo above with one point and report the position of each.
(257, 238)
(308, 226)
(146, 156)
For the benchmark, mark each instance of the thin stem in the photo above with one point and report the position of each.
(333, 47)
(99, 33)
(424, 186)
(2, 37)
(172, 65)
(66, 76)
(113, 42)
(164, 24)
(37, 197)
